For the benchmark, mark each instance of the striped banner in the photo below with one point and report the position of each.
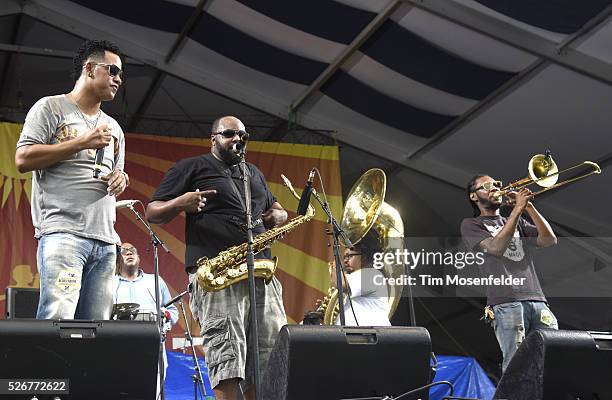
(303, 254)
(17, 243)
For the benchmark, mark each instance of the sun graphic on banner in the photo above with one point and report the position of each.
(16, 185)
(12, 180)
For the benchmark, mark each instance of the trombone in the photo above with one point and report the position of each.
(543, 171)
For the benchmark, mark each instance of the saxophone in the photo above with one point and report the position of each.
(229, 266)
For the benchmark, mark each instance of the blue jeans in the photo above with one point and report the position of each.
(76, 277)
(513, 321)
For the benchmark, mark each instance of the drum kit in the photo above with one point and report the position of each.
(131, 312)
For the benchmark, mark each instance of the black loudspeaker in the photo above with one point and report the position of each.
(21, 302)
(559, 365)
(332, 362)
(100, 359)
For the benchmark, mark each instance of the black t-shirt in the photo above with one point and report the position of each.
(516, 260)
(221, 223)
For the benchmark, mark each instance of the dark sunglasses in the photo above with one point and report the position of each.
(113, 70)
(489, 186)
(229, 133)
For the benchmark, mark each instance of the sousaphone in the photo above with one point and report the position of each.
(365, 209)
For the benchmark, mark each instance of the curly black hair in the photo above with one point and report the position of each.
(470, 189)
(91, 48)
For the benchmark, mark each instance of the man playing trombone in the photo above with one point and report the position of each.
(506, 242)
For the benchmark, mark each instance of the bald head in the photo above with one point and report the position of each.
(227, 122)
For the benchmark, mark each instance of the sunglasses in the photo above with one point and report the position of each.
(125, 250)
(113, 70)
(489, 186)
(229, 133)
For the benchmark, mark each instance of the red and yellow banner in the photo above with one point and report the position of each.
(17, 243)
(303, 254)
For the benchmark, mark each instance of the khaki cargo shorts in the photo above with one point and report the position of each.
(224, 324)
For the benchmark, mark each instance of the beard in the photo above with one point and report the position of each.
(488, 204)
(228, 156)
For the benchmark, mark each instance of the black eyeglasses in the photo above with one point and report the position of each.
(229, 133)
(125, 250)
(113, 70)
(489, 186)
(351, 255)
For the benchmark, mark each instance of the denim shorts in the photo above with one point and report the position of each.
(224, 322)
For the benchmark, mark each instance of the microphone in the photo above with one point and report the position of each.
(238, 147)
(125, 203)
(97, 168)
(175, 299)
(305, 199)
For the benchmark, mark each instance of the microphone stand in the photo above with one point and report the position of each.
(197, 376)
(156, 241)
(337, 232)
(250, 259)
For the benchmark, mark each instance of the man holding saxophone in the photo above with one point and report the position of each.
(506, 242)
(209, 189)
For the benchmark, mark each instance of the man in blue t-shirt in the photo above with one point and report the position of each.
(133, 285)
(506, 243)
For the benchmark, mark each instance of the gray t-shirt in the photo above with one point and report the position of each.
(516, 260)
(65, 196)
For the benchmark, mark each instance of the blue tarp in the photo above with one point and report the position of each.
(467, 377)
(179, 382)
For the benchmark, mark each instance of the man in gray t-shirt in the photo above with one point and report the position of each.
(73, 213)
(517, 309)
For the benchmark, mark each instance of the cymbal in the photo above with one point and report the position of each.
(121, 308)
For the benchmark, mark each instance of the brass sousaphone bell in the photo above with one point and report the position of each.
(365, 209)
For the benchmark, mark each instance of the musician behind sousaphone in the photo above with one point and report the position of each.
(368, 305)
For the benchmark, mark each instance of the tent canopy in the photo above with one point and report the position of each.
(432, 92)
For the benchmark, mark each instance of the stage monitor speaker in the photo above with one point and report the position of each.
(333, 362)
(21, 302)
(100, 359)
(559, 365)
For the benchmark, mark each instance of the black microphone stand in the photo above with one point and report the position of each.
(156, 241)
(337, 232)
(250, 259)
(197, 376)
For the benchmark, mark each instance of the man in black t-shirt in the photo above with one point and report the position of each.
(209, 189)
(506, 243)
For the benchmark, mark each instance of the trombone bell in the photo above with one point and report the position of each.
(543, 170)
